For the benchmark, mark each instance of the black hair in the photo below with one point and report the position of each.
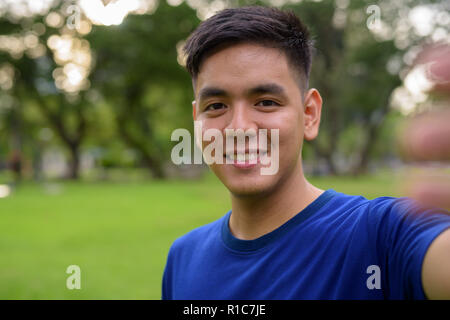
(266, 26)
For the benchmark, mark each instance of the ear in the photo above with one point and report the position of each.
(312, 112)
(194, 110)
(197, 129)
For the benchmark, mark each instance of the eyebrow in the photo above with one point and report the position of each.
(265, 88)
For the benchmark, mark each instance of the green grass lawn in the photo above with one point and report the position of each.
(118, 233)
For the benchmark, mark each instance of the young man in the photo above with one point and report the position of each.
(285, 238)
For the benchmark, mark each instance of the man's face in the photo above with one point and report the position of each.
(248, 86)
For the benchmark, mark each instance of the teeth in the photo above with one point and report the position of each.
(231, 156)
(251, 157)
(241, 157)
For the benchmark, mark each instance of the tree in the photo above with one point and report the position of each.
(356, 69)
(138, 74)
(34, 64)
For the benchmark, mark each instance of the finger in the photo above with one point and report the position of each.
(438, 59)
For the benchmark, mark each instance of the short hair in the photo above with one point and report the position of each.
(270, 27)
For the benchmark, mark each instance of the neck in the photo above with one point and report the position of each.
(257, 215)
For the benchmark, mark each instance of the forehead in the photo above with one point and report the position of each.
(244, 65)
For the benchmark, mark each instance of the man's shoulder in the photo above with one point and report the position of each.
(350, 203)
(386, 209)
(198, 236)
(375, 209)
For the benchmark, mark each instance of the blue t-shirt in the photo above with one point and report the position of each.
(338, 247)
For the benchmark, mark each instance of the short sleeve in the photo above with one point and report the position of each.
(166, 293)
(405, 232)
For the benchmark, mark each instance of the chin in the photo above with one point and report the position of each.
(242, 183)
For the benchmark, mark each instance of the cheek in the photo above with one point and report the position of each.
(290, 128)
(212, 125)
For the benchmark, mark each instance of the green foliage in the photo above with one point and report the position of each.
(139, 77)
(349, 70)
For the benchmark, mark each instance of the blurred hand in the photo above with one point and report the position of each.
(427, 137)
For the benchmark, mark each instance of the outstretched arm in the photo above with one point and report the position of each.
(436, 268)
(428, 138)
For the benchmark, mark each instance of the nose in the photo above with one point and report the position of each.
(241, 117)
(242, 125)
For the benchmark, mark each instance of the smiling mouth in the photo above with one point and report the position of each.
(245, 156)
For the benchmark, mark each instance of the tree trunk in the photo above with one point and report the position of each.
(374, 126)
(153, 163)
(331, 165)
(74, 163)
(72, 140)
(154, 166)
(327, 155)
(16, 160)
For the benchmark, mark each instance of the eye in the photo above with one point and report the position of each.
(215, 106)
(267, 103)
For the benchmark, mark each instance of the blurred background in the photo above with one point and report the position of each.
(91, 90)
